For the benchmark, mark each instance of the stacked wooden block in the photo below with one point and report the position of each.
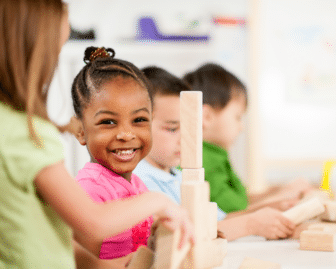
(209, 251)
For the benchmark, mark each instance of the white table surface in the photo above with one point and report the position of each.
(284, 252)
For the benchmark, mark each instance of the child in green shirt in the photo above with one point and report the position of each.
(225, 102)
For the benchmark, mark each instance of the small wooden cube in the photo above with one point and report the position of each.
(317, 240)
(196, 174)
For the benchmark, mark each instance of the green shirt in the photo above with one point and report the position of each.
(32, 235)
(225, 187)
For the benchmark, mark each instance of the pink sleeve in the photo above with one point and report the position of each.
(139, 184)
(97, 192)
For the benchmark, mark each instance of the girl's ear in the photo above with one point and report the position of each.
(208, 116)
(78, 130)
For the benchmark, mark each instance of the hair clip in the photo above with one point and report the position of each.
(100, 53)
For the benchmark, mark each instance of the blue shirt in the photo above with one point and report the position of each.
(168, 183)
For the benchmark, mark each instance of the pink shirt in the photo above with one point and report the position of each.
(104, 185)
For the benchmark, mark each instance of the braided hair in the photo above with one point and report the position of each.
(101, 67)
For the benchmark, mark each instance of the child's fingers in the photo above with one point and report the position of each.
(288, 223)
(187, 233)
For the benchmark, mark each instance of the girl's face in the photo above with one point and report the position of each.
(227, 123)
(117, 125)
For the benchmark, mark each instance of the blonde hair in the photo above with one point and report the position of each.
(29, 45)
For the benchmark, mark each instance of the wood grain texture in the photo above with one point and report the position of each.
(191, 129)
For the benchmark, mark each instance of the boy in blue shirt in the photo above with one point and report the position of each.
(158, 170)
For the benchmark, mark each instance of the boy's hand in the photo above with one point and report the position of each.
(270, 223)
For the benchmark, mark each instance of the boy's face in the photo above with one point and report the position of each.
(227, 123)
(165, 152)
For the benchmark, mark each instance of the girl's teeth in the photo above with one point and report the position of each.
(124, 152)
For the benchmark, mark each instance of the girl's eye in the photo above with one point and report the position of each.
(140, 119)
(107, 122)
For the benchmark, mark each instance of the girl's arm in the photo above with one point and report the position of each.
(86, 260)
(93, 222)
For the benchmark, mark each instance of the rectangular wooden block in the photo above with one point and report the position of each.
(195, 198)
(305, 211)
(142, 259)
(253, 263)
(196, 174)
(167, 254)
(208, 254)
(191, 105)
(330, 211)
(212, 220)
(317, 240)
(323, 226)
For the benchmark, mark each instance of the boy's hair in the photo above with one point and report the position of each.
(29, 45)
(163, 82)
(97, 72)
(218, 85)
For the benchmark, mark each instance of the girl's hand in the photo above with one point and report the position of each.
(174, 217)
(270, 223)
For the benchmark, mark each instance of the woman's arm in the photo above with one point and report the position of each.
(93, 222)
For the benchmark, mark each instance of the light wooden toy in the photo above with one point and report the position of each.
(253, 263)
(330, 211)
(208, 251)
(317, 240)
(142, 259)
(305, 211)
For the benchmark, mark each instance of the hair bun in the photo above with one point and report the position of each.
(93, 53)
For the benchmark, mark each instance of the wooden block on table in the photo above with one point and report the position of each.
(212, 220)
(206, 254)
(142, 259)
(196, 174)
(305, 211)
(323, 226)
(167, 254)
(330, 211)
(191, 106)
(317, 240)
(253, 263)
(195, 199)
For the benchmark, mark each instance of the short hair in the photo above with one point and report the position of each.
(163, 82)
(218, 85)
(99, 71)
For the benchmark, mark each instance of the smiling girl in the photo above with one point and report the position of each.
(112, 103)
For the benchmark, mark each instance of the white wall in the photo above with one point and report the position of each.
(297, 82)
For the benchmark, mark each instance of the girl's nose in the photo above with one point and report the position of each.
(125, 136)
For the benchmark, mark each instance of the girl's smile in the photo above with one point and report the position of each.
(117, 125)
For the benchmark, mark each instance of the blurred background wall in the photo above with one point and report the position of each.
(291, 78)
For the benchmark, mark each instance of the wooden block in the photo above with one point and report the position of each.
(207, 254)
(317, 240)
(253, 263)
(195, 199)
(167, 254)
(330, 211)
(305, 211)
(142, 259)
(323, 226)
(323, 195)
(191, 106)
(193, 174)
(212, 220)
